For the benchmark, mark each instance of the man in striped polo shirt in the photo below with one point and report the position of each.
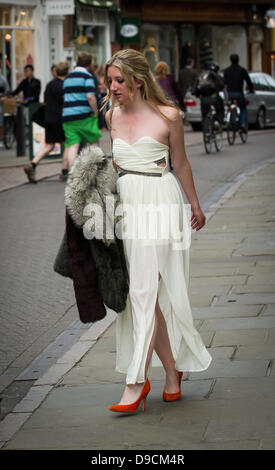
(80, 112)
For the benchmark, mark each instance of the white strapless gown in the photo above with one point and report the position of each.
(146, 258)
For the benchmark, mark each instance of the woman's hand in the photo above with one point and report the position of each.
(198, 218)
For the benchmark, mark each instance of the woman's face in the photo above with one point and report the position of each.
(117, 84)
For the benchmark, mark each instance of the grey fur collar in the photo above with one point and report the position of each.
(90, 180)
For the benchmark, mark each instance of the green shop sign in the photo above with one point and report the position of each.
(130, 31)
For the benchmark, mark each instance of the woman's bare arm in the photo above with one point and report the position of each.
(182, 167)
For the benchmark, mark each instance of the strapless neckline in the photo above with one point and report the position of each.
(138, 140)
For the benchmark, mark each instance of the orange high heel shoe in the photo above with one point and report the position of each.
(173, 396)
(132, 407)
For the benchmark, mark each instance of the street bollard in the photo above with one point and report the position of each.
(20, 132)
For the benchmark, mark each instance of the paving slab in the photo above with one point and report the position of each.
(248, 299)
(227, 311)
(213, 290)
(261, 288)
(243, 388)
(238, 323)
(253, 427)
(218, 280)
(203, 300)
(227, 368)
(263, 278)
(257, 351)
(271, 336)
(240, 337)
(267, 444)
(269, 310)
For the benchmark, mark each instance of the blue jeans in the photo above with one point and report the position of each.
(240, 98)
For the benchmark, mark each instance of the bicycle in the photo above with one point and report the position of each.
(212, 131)
(233, 123)
(9, 112)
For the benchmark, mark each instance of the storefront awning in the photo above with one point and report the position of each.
(111, 4)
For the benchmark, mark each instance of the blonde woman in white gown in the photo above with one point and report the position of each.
(157, 325)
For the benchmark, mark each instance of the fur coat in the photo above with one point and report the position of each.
(90, 253)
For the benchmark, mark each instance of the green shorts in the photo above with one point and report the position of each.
(76, 131)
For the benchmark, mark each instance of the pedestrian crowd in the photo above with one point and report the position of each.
(207, 85)
(71, 112)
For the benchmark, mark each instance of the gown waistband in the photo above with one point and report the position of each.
(123, 172)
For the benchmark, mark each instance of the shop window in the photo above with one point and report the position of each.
(217, 43)
(256, 57)
(23, 52)
(92, 39)
(159, 44)
(91, 36)
(5, 19)
(23, 17)
(5, 53)
(149, 44)
(187, 45)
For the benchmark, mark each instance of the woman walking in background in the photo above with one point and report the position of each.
(169, 85)
(145, 128)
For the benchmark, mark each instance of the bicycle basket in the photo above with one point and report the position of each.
(9, 106)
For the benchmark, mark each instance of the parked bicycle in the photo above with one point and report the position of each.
(9, 113)
(233, 126)
(212, 131)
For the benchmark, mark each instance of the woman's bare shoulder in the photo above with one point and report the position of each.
(110, 114)
(169, 111)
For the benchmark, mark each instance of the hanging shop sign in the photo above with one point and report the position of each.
(60, 7)
(130, 31)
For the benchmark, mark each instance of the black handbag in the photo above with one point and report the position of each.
(39, 115)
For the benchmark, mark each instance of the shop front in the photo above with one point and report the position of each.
(206, 31)
(16, 40)
(95, 28)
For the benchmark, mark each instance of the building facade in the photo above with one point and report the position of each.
(204, 30)
(44, 32)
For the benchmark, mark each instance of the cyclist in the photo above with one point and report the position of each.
(209, 84)
(234, 77)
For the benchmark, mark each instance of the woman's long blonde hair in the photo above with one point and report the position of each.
(132, 63)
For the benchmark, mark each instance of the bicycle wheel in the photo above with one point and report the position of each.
(232, 127)
(218, 140)
(208, 134)
(9, 136)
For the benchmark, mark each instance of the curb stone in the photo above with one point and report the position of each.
(42, 386)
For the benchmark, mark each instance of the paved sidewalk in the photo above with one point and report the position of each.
(231, 405)
(11, 167)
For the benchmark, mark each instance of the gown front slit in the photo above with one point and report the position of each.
(150, 252)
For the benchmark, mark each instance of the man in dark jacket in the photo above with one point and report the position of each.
(234, 77)
(188, 77)
(30, 86)
(209, 84)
